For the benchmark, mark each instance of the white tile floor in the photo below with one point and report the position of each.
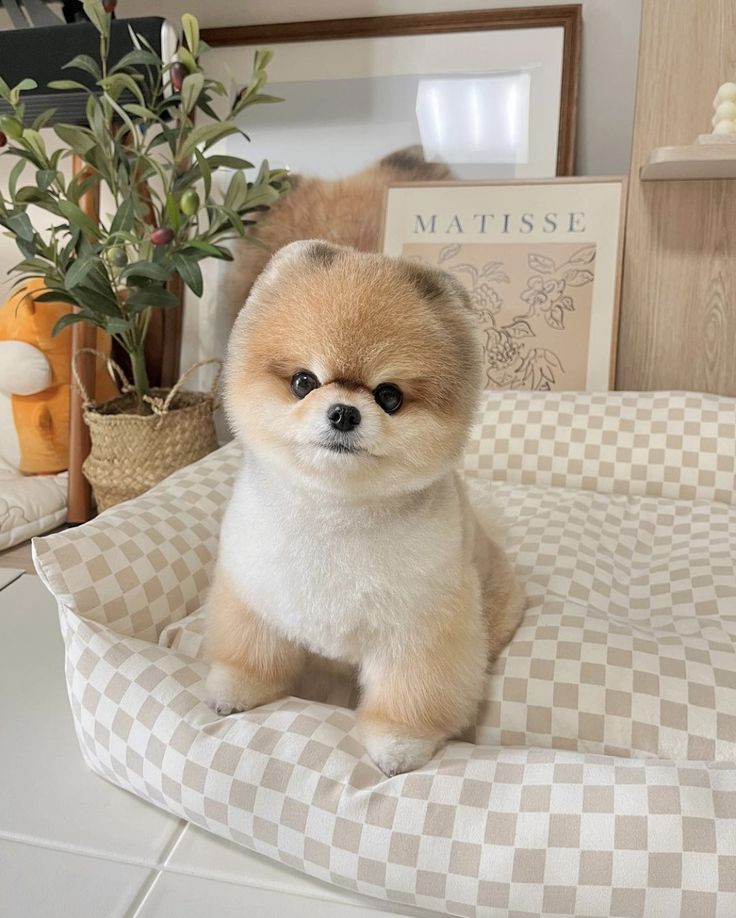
(74, 846)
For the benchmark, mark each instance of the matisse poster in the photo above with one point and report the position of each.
(541, 262)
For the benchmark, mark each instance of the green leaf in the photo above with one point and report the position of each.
(205, 171)
(36, 142)
(229, 162)
(263, 97)
(20, 226)
(235, 222)
(78, 139)
(190, 273)
(172, 213)
(81, 183)
(67, 84)
(138, 57)
(190, 90)
(27, 248)
(98, 279)
(30, 194)
(237, 192)
(96, 301)
(198, 248)
(69, 319)
(152, 296)
(261, 196)
(34, 266)
(207, 109)
(97, 121)
(25, 85)
(43, 119)
(123, 219)
(97, 16)
(116, 325)
(141, 111)
(79, 271)
(191, 32)
(187, 58)
(15, 174)
(144, 269)
(55, 296)
(86, 63)
(46, 178)
(77, 217)
(262, 58)
(117, 83)
(207, 134)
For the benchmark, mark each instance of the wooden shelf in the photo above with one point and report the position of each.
(697, 161)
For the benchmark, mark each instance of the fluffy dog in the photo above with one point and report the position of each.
(347, 211)
(351, 381)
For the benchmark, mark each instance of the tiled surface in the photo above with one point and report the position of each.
(74, 846)
(43, 883)
(8, 575)
(199, 854)
(18, 557)
(49, 795)
(193, 897)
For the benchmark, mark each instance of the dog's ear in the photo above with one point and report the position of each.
(409, 165)
(434, 284)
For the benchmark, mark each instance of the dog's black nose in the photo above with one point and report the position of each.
(343, 417)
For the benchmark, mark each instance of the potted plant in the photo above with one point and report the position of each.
(142, 149)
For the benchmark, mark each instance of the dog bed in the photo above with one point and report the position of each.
(601, 776)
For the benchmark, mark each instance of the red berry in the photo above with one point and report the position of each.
(109, 6)
(3, 140)
(162, 235)
(178, 72)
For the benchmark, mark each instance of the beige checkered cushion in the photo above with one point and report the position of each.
(670, 444)
(603, 777)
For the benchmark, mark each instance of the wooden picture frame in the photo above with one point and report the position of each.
(542, 261)
(568, 17)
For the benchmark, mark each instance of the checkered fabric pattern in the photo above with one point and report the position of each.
(602, 776)
(669, 444)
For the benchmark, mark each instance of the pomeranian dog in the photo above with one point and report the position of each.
(351, 381)
(347, 211)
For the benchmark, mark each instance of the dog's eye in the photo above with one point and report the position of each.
(388, 397)
(302, 383)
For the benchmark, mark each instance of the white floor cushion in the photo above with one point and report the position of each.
(29, 504)
(601, 778)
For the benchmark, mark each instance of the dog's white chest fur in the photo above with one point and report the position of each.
(336, 578)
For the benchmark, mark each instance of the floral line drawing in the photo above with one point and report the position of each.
(512, 361)
(545, 290)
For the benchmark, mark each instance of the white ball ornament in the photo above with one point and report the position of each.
(726, 93)
(725, 127)
(726, 111)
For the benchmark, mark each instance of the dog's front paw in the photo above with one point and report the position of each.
(396, 753)
(230, 691)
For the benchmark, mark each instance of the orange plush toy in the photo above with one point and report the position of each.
(35, 376)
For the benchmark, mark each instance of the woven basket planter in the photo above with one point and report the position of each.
(131, 452)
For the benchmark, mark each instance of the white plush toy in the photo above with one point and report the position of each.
(724, 106)
(35, 377)
(23, 371)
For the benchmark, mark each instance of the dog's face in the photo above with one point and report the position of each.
(358, 374)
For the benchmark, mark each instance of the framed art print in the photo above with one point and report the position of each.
(542, 264)
(486, 93)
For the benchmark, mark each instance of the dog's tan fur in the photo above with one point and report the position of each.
(357, 322)
(347, 211)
